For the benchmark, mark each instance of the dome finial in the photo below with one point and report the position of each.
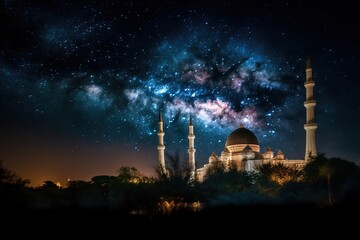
(241, 125)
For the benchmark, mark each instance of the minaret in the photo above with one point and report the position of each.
(310, 125)
(191, 149)
(161, 146)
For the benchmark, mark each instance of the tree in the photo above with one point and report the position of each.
(102, 180)
(326, 170)
(176, 173)
(9, 177)
(176, 183)
(229, 186)
(336, 174)
(129, 175)
(273, 178)
(279, 173)
(13, 192)
(219, 178)
(49, 185)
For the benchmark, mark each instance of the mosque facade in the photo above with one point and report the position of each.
(242, 148)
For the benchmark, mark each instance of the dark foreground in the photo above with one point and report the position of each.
(255, 220)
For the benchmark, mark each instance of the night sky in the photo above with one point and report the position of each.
(81, 84)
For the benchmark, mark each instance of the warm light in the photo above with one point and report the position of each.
(282, 179)
(134, 180)
(168, 206)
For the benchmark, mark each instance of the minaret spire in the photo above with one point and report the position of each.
(310, 125)
(161, 146)
(160, 117)
(191, 149)
(308, 63)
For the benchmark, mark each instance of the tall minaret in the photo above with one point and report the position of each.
(310, 125)
(161, 146)
(191, 149)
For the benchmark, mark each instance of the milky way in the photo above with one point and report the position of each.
(103, 71)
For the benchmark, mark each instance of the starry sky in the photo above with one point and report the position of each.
(81, 84)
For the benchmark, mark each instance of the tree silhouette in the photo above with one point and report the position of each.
(176, 186)
(326, 170)
(337, 175)
(129, 175)
(176, 173)
(229, 186)
(9, 177)
(220, 178)
(49, 185)
(13, 191)
(279, 173)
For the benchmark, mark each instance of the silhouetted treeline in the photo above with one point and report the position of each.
(323, 182)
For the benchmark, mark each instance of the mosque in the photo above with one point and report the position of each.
(242, 147)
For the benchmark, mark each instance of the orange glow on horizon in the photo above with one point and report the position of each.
(56, 159)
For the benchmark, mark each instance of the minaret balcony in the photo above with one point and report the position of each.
(310, 126)
(309, 83)
(310, 103)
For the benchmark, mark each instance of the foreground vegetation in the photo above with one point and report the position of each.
(324, 182)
